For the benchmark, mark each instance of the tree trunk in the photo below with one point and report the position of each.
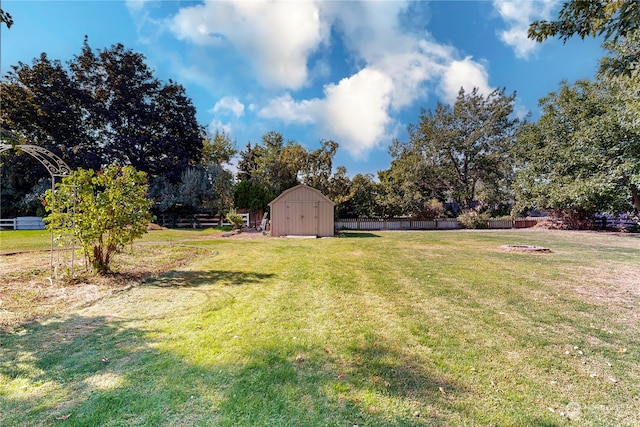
(636, 198)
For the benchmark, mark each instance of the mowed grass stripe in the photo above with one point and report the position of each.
(437, 328)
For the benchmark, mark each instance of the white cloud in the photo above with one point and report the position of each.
(135, 5)
(355, 111)
(288, 110)
(275, 37)
(467, 74)
(220, 126)
(392, 68)
(229, 103)
(396, 69)
(518, 15)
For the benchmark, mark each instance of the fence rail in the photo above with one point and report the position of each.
(436, 224)
(23, 223)
(203, 221)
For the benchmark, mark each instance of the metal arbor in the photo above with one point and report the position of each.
(56, 168)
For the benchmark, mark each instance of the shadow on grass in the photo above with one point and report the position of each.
(356, 234)
(187, 279)
(99, 370)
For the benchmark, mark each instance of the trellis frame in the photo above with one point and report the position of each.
(56, 168)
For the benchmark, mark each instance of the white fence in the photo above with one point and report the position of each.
(206, 221)
(436, 224)
(23, 223)
(395, 224)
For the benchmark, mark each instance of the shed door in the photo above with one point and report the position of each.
(302, 218)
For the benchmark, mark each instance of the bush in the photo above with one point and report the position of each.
(473, 219)
(236, 220)
(103, 210)
(432, 209)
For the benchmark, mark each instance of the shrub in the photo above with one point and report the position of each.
(432, 209)
(104, 210)
(236, 220)
(474, 219)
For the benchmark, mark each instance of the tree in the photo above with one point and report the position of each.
(318, 168)
(104, 107)
(255, 197)
(195, 190)
(278, 165)
(578, 159)
(591, 18)
(6, 18)
(111, 210)
(275, 166)
(625, 88)
(455, 151)
(363, 194)
(137, 119)
(339, 187)
(217, 149)
(247, 165)
(42, 105)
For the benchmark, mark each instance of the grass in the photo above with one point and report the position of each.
(415, 328)
(24, 240)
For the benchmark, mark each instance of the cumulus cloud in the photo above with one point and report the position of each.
(467, 74)
(356, 110)
(518, 15)
(288, 110)
(229, 103)
(392, 68)
(275, 37)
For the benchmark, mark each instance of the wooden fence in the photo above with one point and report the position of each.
(436, 224)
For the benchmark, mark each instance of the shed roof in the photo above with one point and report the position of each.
(297, 188)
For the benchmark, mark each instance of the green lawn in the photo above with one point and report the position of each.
(24, 240)
(373, 329)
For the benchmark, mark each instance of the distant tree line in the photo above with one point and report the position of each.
(580, 157)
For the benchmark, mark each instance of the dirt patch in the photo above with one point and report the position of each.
(250, 234)
(525, 248)
(28, 293)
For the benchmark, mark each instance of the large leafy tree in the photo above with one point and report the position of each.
(578, 159)
(363, 196)
(42, 105)
(410, 182)
(625, 87)
(457, 150)
(318, 168)
(275, 165)
(278, 164)
(138, 120)
(47, 107)
(105, 107)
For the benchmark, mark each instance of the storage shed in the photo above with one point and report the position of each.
(302, 211)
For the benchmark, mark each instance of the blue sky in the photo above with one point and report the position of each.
(355, 72)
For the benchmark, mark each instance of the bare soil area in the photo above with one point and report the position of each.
(28, 293)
